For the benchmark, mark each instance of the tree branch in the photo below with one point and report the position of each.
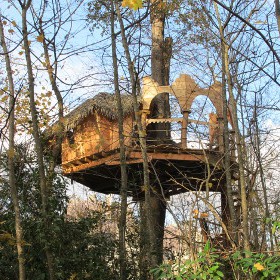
(252, 27)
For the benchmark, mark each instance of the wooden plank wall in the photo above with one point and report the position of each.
(94, 135)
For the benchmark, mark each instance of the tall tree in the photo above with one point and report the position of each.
(145, 254)
(11, 155)
(124, 179)
(160, 61)
(25, 6)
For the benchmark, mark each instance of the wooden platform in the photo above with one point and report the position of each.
(176, 170)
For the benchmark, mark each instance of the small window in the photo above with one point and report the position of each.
(70, 136)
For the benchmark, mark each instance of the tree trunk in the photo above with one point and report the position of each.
(160, 63)
(59, 134)
(244, 207)
(257, 150)
(144, 243)
(160, 66)
(123, 190)
(11, 156)
(227, 80)
(227, 154)
(37, 140)
(277, 12)
(142, 139)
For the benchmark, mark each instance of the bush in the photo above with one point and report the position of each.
(210, 266)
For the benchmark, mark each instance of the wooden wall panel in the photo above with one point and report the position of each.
(94, 135)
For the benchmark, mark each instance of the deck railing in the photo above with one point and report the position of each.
(190, 134)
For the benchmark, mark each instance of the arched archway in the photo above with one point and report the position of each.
(185, 90)
(176, 114)
(202, 125)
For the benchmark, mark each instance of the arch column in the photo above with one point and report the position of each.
(184, 130)
(144, 113)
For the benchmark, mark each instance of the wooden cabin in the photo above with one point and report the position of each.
(90, 148)
(92, 130)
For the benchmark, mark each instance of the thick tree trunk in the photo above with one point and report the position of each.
(160, 66)
(277, 12)
(11, 155)
(154, 209)
(160, 63)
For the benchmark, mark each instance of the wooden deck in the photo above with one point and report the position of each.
(176, 170)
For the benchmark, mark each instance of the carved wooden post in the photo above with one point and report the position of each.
(184, 128)
(144, 114)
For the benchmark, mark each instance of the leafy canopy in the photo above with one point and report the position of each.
(132, 4)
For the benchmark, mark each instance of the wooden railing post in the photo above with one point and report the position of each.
(184, 128)
(144, 113)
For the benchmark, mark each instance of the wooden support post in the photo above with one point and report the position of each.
(144, 113)
(184, 128)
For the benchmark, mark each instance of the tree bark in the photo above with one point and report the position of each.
(144, 270)
(227, 80)
(227, 154)
(11, 156)
(244, 206)
(59, 134)
(277, 12)
(257, 150)
(37, 140)
(123, 190)
(160, 64)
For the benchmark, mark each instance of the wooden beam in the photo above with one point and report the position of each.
(164, 120)
(169, 156)
(77, 162)
(83, 166)
(128, 161)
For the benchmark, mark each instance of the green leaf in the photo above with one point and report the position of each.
(213, 268)
(220, 273)
(207, 246)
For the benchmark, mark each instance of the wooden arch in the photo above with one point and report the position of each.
(185, 89)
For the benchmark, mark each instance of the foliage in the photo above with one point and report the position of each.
(275, 227)
(81, 249)
(205, 266)
(210, 265)
(256, 265)
(84, 252)
(132, 4)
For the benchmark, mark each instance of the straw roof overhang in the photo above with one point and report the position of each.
(104, 104)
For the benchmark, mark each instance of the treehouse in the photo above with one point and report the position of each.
(91, 154)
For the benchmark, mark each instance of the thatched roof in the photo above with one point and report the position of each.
(103, 103)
